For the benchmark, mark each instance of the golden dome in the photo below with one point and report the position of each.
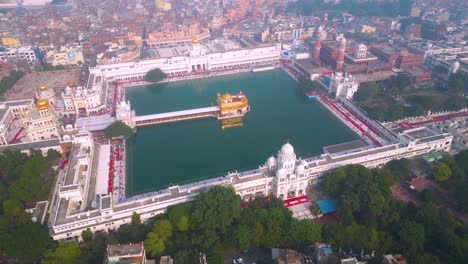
(195, 41)
(42, 87)
(43, 104)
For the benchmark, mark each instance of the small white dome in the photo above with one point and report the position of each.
(287, 149)
(271, 162)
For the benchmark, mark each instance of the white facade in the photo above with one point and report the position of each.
(125, 114)
(196, 60)
(89, 100)
(284, 176)
(10, 112)
(25, 53)
(343, 85)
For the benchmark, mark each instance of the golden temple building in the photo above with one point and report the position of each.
(232, 106)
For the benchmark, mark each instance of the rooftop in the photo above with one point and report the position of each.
(125, 249)
(351, 146)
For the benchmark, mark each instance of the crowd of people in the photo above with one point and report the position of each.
(116, 182)
(100, 138)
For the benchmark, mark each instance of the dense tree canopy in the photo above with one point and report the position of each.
(216, 209)
(118, 129)
(371, 219)
(442, 172)
(307, 85)
(24, 180)
(155, 75)
(158, 240)
(63, 253)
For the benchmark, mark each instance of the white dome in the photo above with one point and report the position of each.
(287, 149)
(271, 162)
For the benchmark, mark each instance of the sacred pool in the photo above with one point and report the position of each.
(176, 153)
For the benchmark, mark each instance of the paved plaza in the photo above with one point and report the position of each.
(56, 80)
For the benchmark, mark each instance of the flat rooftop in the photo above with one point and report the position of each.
(94, 123)
(421, 133)
(32, 145)
(126, 249)
(355, 145)
(308, 66)
(4, 106)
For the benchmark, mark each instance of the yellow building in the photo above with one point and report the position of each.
(163, 5)
(10, 42)
(231, 106)
(40, 122)
(66, 56)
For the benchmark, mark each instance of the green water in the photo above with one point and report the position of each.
(185, 151)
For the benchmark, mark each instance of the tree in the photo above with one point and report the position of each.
(63, 253)
(304, 233)
(157, 241)
(52, 154)
(412, 236)
(155, 75)
(442, 172)
(216, 209)
(186, 256)
(243, 236)
(118, 129)
(180, 216)
(367, 90)
(25, 242)
(93, 250)
(131, 233)
(154, 244)
(87, 235)
(136, 220)
(307, 85)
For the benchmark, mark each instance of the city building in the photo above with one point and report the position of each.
(125, 253)
(22, 53)
(249, 28)
(118, 55)
(342, 85)
(167, 38)
(89, 100)
(10, 113)
(452, 57)
(15, 3)
(400, 58)
(163, 5)
(393, 259)
(66, 55)
(198, 59)
(28, 120)
(418, 75)
(40, 122)
(10, 42)
(166, 260)
(413, 31)
(362, 62)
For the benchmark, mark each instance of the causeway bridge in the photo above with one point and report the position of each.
(146, 120)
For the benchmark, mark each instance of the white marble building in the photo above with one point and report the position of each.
(284, 176)
(343, 85)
